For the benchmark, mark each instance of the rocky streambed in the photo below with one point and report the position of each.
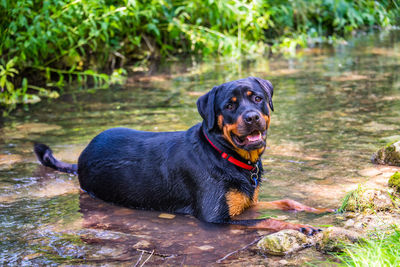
(371, 208)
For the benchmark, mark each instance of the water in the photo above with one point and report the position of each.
(333, 108)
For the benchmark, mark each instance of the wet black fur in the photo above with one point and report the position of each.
(45, 156)
(176, 172)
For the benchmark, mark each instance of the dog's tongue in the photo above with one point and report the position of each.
(254, 137)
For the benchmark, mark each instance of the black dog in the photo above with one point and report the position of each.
(212, 171)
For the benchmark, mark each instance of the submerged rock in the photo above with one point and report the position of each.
(283, 242)
(380, 221)
(7, 161)
(390, 154)
(394, 181)
(333, 239)
(368, 199)
(349, 223)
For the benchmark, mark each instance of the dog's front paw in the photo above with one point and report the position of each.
(308, 230)
(303, 228)
(278, 225)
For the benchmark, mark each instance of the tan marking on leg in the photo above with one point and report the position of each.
(255, 195)
(237, 202)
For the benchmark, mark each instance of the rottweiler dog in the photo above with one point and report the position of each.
(211, 171)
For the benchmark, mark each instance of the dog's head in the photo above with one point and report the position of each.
(240, 112)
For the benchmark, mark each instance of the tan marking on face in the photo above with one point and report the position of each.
(237, 202)
(234, 99)
(249, 93)
(220, 121)
(267, 120)
(228, 129)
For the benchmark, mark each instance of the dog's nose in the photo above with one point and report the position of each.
(251, 117)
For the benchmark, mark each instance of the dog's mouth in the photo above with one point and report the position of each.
(254, 140)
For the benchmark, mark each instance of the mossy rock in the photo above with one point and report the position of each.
(283, 242)
(368, 199)
(390, 154)
(394, 181)
(334, 239)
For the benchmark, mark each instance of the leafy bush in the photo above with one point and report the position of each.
(50, 43)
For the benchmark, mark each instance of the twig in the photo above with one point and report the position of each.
(147, 41)
(147, 259)
(140, 258)
(238, 250)
(183, 261)
(158, 254)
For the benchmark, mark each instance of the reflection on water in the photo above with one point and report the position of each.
(334, 107)
(175, 239)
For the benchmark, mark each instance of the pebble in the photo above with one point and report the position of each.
(349, 223)
(283, 262)
(205, 247)
(166, 216)
(358, 225)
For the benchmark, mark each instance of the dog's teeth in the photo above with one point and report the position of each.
(253, 138)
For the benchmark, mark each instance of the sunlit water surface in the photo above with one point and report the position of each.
(333, 108)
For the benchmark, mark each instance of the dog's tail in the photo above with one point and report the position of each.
(45, 156)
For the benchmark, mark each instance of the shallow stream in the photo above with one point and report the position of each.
(333, 108)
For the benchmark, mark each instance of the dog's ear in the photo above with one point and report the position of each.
(268, 88)
(206, 107)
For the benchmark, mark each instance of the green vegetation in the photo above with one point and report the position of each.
(48, 44)
(368, 200)
(352, 196)
(70, 245)
(394, 181)
(383, 249)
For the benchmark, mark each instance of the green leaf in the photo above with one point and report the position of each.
(3, 80)
(24, 85)
(9, 86)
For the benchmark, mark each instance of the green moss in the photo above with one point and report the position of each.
(366, 200)
(283, 242)
(394, 181)
(61, 249)
(351, 199)
(390, 143)
(390, 148)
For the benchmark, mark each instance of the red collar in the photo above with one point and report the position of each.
(230, 158)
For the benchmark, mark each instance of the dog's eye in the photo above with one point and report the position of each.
(229, 106)
(258, 99)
